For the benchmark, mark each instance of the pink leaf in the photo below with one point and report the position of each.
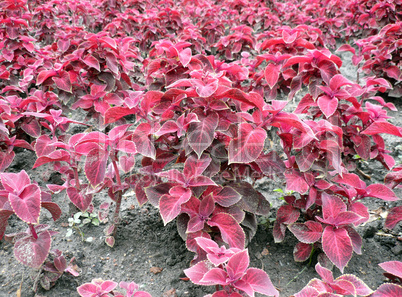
(325, 273)
(327, 105)
(394, 217)
(215, 276)
(79, 199)
(302, 252)
(33, 252)
(196, 273)
(95, 166)
(388, 290)
(260, 282)
(382, 127)
(185, 56)
(56, 156)
(44, 75)
(237, 265)
(170, 205)
(27, 204)
(91, 61)
(272, 74)
(309, 232)
(63, 82)
(392, 267)
(230, 229)
(337, 245)
(201, 134)
(142, 142)
(361, 288)
(248, 145)
(115, 113)
(382, 192)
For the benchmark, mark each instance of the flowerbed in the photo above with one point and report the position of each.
(189, 105)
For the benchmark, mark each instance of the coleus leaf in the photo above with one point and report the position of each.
(392, 267)
(230, 229)
(27, 203)
(271, 74)
(388, 290)
(327, 105)
(308, 232)
(394, 217)
(379, 127)
(302, 251)
(360, 287)
(79, 198)
(95, 165)
(337, 245)
(248, 145)
(33, 252)
(142, 142)
(201, 134)
(170, 204)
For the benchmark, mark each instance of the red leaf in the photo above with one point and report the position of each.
(170, 204)
(95, 166)
(115, 113)
(337, 245)
(201, 134)
(296, 182)
(309, 232)
(33, 252)
(32, 128)
(327, 105)
(63, 82)
(382, 127)
(392, 267)
(227, 197)
(249, 144)
(388, 290)
(6, 159)
(142, 142)
(394, 216)
(260, 282)
(230, 229)
(382, 192)
(79, 199)
(27, 204)
(302, 252)
(53, 208)
(44, 75)
(272, 74)
(91, 61)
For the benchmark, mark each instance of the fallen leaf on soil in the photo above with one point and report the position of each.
(170, 293)
(156, 270)
(265, 252)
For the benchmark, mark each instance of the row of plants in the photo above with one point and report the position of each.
(183, 99)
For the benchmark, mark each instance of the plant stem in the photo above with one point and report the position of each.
(118, 196)
(33, 231)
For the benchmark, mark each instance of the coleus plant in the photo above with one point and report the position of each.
(25, 199)
(228, 270)
(107, 288)
(381, 53)
(344, 285)
(103, 160)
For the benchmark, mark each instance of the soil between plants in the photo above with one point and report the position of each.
(143, 242)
